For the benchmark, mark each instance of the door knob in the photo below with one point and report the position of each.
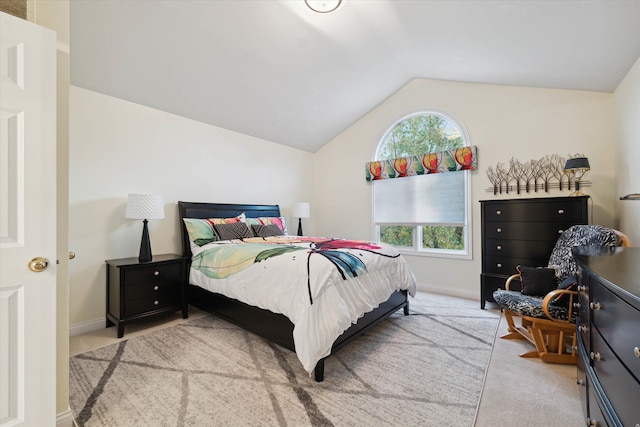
(72, 255)
(38, 265)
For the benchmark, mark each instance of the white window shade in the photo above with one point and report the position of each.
(424, 199)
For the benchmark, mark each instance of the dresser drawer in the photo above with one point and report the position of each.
(164, 273)
(618, 385)
(619, 324)
(505, 265)
(537, 211)
(536, 231)
(519, 249)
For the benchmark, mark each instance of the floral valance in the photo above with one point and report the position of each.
(457, 159)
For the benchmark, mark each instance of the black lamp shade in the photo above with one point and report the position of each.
(579, 163)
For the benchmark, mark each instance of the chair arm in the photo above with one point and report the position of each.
(553, 295)
(508, 282)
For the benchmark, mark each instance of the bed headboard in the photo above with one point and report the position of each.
(219, 210)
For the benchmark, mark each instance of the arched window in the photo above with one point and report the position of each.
(430, 213)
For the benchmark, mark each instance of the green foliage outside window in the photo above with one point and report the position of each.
(421, 134)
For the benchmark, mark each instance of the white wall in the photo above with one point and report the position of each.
(117, 147)
(503, 122)
(627, 98)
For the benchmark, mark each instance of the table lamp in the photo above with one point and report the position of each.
(300, 210)
(578, 166)
(145, 207)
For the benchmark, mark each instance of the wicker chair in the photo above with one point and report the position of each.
(547, 320)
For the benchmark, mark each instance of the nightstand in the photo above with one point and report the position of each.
(138, 290)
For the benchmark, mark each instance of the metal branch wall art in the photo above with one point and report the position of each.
(533, 175)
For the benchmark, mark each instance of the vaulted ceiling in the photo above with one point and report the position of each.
(276, 70)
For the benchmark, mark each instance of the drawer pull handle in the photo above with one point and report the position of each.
(595, 306)
(499, 265)
(499, 247)
(156, 302)
(498, 212)
(560, 211)
(499, 230)
(155, 288)
(636, 351)
(595, 356)
(156, 273)
(560, 231)
(583, 328)
(582, 288)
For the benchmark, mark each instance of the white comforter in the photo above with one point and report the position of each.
(322, 285)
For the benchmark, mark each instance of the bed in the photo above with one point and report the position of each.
(265, 309)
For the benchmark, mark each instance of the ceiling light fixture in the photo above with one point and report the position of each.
(323, 6)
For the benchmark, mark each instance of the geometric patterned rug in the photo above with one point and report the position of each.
(424, 369)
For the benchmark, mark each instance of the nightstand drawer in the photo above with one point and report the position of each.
(164, 273)
(146, 304)
(152, 290)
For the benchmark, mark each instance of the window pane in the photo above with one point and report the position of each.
(397, 235)
(423, 199)
(442, 237)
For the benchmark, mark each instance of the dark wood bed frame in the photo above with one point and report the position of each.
(272, 326)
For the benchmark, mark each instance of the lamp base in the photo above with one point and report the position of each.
(145, 245)
(299, 226)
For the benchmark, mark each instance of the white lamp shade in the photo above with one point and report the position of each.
(301, 210)
(144, 206)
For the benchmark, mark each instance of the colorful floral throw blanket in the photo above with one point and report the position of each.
(322, 285)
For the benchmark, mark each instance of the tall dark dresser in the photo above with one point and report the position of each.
(609, 335)
(523, 232)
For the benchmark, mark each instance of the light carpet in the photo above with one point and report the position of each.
(424, 369)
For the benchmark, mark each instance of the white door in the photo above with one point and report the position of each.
(27, 223)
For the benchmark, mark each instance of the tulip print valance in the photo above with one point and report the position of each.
(457, 159)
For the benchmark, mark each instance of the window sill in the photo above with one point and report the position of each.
(437, 254)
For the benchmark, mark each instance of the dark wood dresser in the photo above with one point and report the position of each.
(137, 290)
(609, 335)
(523, 231)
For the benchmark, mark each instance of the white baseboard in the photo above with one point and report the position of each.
(83, 328)
(449, 291)
(65, 419)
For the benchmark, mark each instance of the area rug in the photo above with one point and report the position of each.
(423, 369)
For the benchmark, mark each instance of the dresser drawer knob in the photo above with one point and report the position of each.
(499, 230)
(595, 306)
(499, 265)
(155, 288)
(592, 422)
(156, 302)
(583, 328)
(560, 231)
(582, 288)
(499, 247)
(156, 273)
(498, 212)
(595, 356)
(576, 305)
(580, 382)
(560, 211)
(636, 351)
